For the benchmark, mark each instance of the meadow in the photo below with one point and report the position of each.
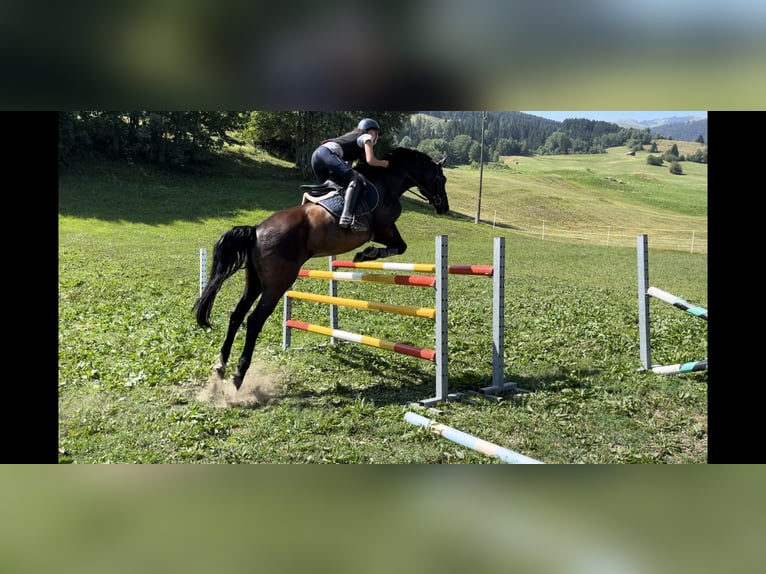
(134, 369)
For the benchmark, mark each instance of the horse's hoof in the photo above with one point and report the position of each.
(367, 255)
(219, 369)
(237, 380)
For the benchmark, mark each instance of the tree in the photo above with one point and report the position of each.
(294, 135)
(274, 132)
(508, 146)
(671, 154)
(699, 156)
(459, 149)
(700, 139)
(557, 143)
(675, 168)
(653, 160)
(475, 155)
(176, 138)
(436, 148)
(406, 141)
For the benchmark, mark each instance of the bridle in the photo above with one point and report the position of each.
(433, 198)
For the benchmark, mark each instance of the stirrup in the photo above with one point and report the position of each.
(353, 224)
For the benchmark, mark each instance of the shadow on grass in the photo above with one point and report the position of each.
(222, 187)
(472, 219)
(159, 195)
(397, 383)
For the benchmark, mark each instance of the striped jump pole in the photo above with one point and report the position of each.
(385, 265)
(469, 441)
(419, 280)
(487, 270)
(496, 272)
(645, 293)
(677, 302)
(368, 305)
(680, 368)
(333, 276)
(411, 350)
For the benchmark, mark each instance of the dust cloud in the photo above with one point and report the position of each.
(259, 388)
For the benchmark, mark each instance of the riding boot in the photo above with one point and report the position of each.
(347, 219)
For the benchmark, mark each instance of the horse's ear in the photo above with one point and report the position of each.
(441, 162)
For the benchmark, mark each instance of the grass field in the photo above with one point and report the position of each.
(134, 368)
(599, 199)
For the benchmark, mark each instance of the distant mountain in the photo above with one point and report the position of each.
(687, 131)
(684, 128)
(656, 122)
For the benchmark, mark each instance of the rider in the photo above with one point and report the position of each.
(333, 159)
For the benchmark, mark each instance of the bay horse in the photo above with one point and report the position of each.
(273, 252)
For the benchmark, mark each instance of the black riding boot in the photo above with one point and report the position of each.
(347, 219)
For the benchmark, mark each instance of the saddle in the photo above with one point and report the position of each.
(330, 195)
(321, 189)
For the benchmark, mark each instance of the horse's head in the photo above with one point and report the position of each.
(420, 170)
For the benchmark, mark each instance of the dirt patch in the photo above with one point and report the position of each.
(259, 387)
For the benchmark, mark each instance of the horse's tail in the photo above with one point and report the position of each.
(229, 256)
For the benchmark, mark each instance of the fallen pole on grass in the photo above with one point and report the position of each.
(469, 441)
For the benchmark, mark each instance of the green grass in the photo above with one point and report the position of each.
(604, 199)
(132, 360)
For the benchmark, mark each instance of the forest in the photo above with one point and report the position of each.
(465, 137)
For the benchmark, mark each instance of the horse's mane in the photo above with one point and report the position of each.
(400, 158)
(407, 154)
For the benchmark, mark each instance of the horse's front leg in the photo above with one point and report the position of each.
(394, 245)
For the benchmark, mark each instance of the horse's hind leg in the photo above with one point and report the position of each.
(249, 295)
(255, 322)
(391, 238)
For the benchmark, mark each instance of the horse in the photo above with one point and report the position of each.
(273, 251)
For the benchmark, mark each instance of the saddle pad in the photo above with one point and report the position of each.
(333, 202)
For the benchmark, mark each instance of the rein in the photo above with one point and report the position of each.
(419, 187)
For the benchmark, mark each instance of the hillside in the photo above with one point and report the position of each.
(683, 131)
(458, 134)
(606, 198)
(529, 131)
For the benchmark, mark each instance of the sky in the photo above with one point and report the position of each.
(611, 116)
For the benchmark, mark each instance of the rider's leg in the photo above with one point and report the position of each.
(347, 219)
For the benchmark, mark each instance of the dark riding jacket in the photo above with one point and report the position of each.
(349, 145)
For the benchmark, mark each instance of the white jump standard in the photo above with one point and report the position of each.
(645, 293)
